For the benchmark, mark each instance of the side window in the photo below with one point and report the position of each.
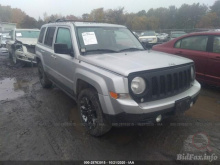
(64, 37)
(49, 36)
(41, 36)
(195, 43)
(178, 44)
(216, 45)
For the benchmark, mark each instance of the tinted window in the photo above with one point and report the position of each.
(64, 37)
(177, 44)
(96, 39)
(194, 43)
(216, 45)
(49, 36)
(41, 35)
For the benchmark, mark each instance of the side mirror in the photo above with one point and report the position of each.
(61, 49)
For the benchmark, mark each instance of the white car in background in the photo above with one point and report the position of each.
(148, 37)
(3, 36)
(21, 45)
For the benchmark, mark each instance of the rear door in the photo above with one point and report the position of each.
(213, 67)
(195, 48)
(48, 51)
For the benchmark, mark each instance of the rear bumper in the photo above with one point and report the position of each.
(26, 57)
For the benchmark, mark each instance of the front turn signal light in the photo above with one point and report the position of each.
(114, 95)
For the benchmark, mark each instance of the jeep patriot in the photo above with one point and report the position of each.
(111, 76)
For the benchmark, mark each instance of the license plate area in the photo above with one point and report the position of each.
(182, 105)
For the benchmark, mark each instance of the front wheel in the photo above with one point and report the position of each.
(14, 58)
(91, 113)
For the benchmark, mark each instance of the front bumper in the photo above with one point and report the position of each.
(26, 57)
(127, 110)
(4, 51)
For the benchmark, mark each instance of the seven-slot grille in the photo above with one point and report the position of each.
(163, 83)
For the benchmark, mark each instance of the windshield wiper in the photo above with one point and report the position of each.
(102, 50)
(131, 49)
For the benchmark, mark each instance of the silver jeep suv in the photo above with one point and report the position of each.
(113, 79)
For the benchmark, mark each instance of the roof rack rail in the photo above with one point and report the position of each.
(69, 20)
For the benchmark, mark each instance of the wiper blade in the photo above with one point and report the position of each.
(102, 50)
(131, 49)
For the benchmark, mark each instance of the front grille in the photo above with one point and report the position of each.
(163, 83)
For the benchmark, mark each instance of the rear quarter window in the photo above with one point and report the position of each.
(41, 36)
(49, 36)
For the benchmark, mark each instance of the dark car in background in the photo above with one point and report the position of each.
(176, 34)
(203, 48)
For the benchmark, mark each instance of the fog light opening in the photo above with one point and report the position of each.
(158, 118)
(191, 104)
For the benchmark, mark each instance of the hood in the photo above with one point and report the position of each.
(146, 37)
(128, 62)
(27, 41)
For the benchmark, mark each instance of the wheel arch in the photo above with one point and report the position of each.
(85, 79)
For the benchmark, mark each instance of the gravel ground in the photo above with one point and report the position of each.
(43, 124)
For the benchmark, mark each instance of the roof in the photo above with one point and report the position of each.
(206, 32)
(96, 24)
(27, 30)
(8, 23)
(85, 24)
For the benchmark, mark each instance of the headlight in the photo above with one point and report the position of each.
(192, 73)
(138, 85)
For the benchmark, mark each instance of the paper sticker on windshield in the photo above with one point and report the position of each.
(89, 38)
(18, 35)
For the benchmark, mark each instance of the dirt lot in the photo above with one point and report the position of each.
(40, 124)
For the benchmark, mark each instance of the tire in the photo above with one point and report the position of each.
(14, 58)
(45, 82)
(91, 113)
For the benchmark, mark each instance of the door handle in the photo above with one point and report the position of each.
(53, 56)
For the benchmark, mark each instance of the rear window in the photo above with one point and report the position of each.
(49, 36)
(40, 39)
(198, 43)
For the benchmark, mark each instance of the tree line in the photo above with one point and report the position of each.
(185, 17)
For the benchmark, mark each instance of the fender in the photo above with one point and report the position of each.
(97, 81)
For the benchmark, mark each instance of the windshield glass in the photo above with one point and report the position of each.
(106, 39)
(148, 33)
(175, 35)
(27, 34)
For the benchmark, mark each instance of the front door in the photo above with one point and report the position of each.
(195, 48)
(65, 64)
(213, 67)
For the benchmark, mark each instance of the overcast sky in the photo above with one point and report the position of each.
(36, 8)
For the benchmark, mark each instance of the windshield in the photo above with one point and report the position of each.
(175, 35)
(106, 39)
(27, 34)
(148, 33)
